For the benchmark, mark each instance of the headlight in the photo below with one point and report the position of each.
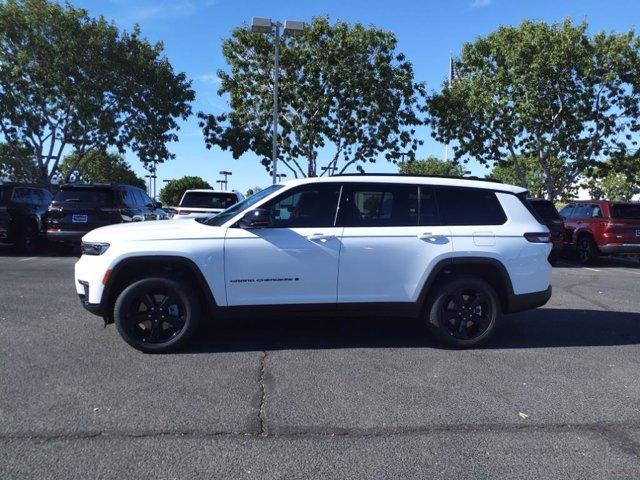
(90, 248)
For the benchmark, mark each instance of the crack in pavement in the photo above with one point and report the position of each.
(263, 396)
(615, 434)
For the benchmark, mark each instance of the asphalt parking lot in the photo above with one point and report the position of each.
(555, 394)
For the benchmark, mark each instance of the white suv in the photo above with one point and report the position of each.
(456, 253)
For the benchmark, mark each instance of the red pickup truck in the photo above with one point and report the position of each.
(602, 227)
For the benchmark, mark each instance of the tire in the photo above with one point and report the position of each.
(586, 250)
(27, 238)
(148, 322)
(471, 325)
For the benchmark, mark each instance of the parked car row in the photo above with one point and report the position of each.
(29, 213)
(591, 227)
(202, 203)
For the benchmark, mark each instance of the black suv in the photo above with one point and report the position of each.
(79, 208)
(549, 216)
(22, 207)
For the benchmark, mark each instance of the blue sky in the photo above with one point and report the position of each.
(427, 30)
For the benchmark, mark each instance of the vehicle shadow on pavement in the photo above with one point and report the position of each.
(542, 328)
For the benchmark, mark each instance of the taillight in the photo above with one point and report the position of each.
(538, 237)
(54, 208)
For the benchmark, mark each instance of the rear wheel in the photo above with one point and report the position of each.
(156, 314)
(587, 250)
(463, 312)
(27, 238)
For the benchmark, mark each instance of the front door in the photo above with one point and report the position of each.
(292, 261)
(391, 241)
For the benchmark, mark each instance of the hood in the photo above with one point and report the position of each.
(154, 230)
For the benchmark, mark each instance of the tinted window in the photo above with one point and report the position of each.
(566, 211)
(545, 209)
(244, 205)
(146, 199)
(625, 210)
(428, 207)
(377, 205)
(309, 206)
(467, 206)
(98, 196)
(208, 200)
(582, 211)
(130, 198)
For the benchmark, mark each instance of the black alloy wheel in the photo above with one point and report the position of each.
(587, 250)
(464, 311)
(156, 314)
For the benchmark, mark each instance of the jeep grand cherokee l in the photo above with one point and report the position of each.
(455, 253)
(602, 227)
(78, 208)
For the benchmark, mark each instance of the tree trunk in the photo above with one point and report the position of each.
(543, 158)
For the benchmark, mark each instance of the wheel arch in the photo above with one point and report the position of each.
(489, 269)
(131, 268)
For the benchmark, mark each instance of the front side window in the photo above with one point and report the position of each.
(380, 205)
(566, 211)
(469, 206)
(308, 206)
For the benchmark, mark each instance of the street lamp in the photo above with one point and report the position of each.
(225, 173)
(281, 175)
(222, 182)
(291, 28)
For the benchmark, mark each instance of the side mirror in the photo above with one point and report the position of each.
(158, 205)
(256, 218)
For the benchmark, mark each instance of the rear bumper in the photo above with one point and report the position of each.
(527, 301)
(620, 249)
(71, 236)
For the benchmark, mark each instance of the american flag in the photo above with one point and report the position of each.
(453, 71)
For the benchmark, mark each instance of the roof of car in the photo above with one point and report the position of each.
(408, 179)
(602, 202)
(208, 190)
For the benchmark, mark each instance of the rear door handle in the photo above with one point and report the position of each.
(426, 235)
(320, 237)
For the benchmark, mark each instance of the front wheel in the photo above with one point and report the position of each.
(463, 312)
(156, 314)
(587, 250)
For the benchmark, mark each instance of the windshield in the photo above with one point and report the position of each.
(98, 196)
(545, 209)
(625, 210)
(247, 203)
(208, 200)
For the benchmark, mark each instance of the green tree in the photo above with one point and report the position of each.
(544, 91)
(172, 192)
(71, 81)
(16, 163)
(432, 166)
(342, 87)
(534, 179)
(616, 179)
(100, 166)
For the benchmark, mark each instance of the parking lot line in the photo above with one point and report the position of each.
(576, 265)
(27, 259)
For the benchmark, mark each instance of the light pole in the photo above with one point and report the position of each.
(281, 175)
(266, 25)
(226, 174)
(222, 182)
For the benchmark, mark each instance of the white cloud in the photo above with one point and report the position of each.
(480, 3)
(210, 78)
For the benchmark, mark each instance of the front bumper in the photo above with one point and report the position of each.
(527, 301)
(620, 249)
(94, 308)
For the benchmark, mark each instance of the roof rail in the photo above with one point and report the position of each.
(409, 175)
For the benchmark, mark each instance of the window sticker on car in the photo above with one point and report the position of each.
(79, 218)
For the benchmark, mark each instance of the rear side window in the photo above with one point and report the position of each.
(625, 210)
(95, 196)
(380, 205)
(429, 215)
(467, 206)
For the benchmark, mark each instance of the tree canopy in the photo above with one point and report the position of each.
(16, 163)
(431, 166)
(616, 179)
(545, 91)
(344, 92)
(172, 192)
(100, 166)
(71, 81)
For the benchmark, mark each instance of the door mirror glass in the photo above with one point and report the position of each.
(158, 205)
(256, 218)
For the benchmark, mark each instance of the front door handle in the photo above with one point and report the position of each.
(320, 237)
(426, 235)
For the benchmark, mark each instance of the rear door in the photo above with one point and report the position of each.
(392, 238)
